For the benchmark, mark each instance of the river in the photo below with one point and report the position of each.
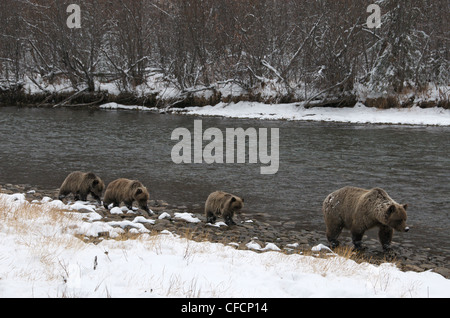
(40, 146)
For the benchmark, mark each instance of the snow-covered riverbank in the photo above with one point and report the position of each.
(41, 257)
(359, 114)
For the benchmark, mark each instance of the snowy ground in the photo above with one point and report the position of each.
(40, 257)
(358, 114)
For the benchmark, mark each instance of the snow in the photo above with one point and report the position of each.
(164, 215)
(359, 114)
(41, 257)
(253, 246)
(141, 219)
(188, 217)
(321, 247)
(217, 224)
(116, 210)
(124, 107)
(78, 205)
(269, 247)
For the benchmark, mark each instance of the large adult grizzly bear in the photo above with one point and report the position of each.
(359, 210)
(126, 191)
(222, 204)
(80, 184)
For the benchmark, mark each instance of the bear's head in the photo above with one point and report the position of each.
(396, 217)
(141, 195)
(96, 187)
(236, 204)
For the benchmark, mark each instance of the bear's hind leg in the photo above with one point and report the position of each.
(357, 240)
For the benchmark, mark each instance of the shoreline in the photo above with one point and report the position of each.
(252, 232)
(358, 113)
(211, 96)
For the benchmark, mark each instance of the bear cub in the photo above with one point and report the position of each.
(222, 204)
(80, 184)
(359, 210)
(126, 191)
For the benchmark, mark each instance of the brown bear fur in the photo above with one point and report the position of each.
(222, 204)
(359, 210)
(127, 191)
(81, 184)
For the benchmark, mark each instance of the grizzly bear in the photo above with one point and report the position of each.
(359, 210)
(222, 204)
(126, 191)
(80, 184)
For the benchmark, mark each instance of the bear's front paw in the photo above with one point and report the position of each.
(334, 244)
(211, 220)
(389, 252)
(358, 247)
(229, 221)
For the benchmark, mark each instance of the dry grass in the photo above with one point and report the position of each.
(411, 96)
(41, 230)
(21, 217)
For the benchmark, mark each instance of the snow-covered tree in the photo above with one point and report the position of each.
(401, 49)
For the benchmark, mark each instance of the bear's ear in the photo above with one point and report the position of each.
(405, 206)
(390, 210)
(242, 199)
(138, 191)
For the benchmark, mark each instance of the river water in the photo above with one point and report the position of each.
(41, 146)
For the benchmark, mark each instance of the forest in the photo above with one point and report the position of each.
(322, 50)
